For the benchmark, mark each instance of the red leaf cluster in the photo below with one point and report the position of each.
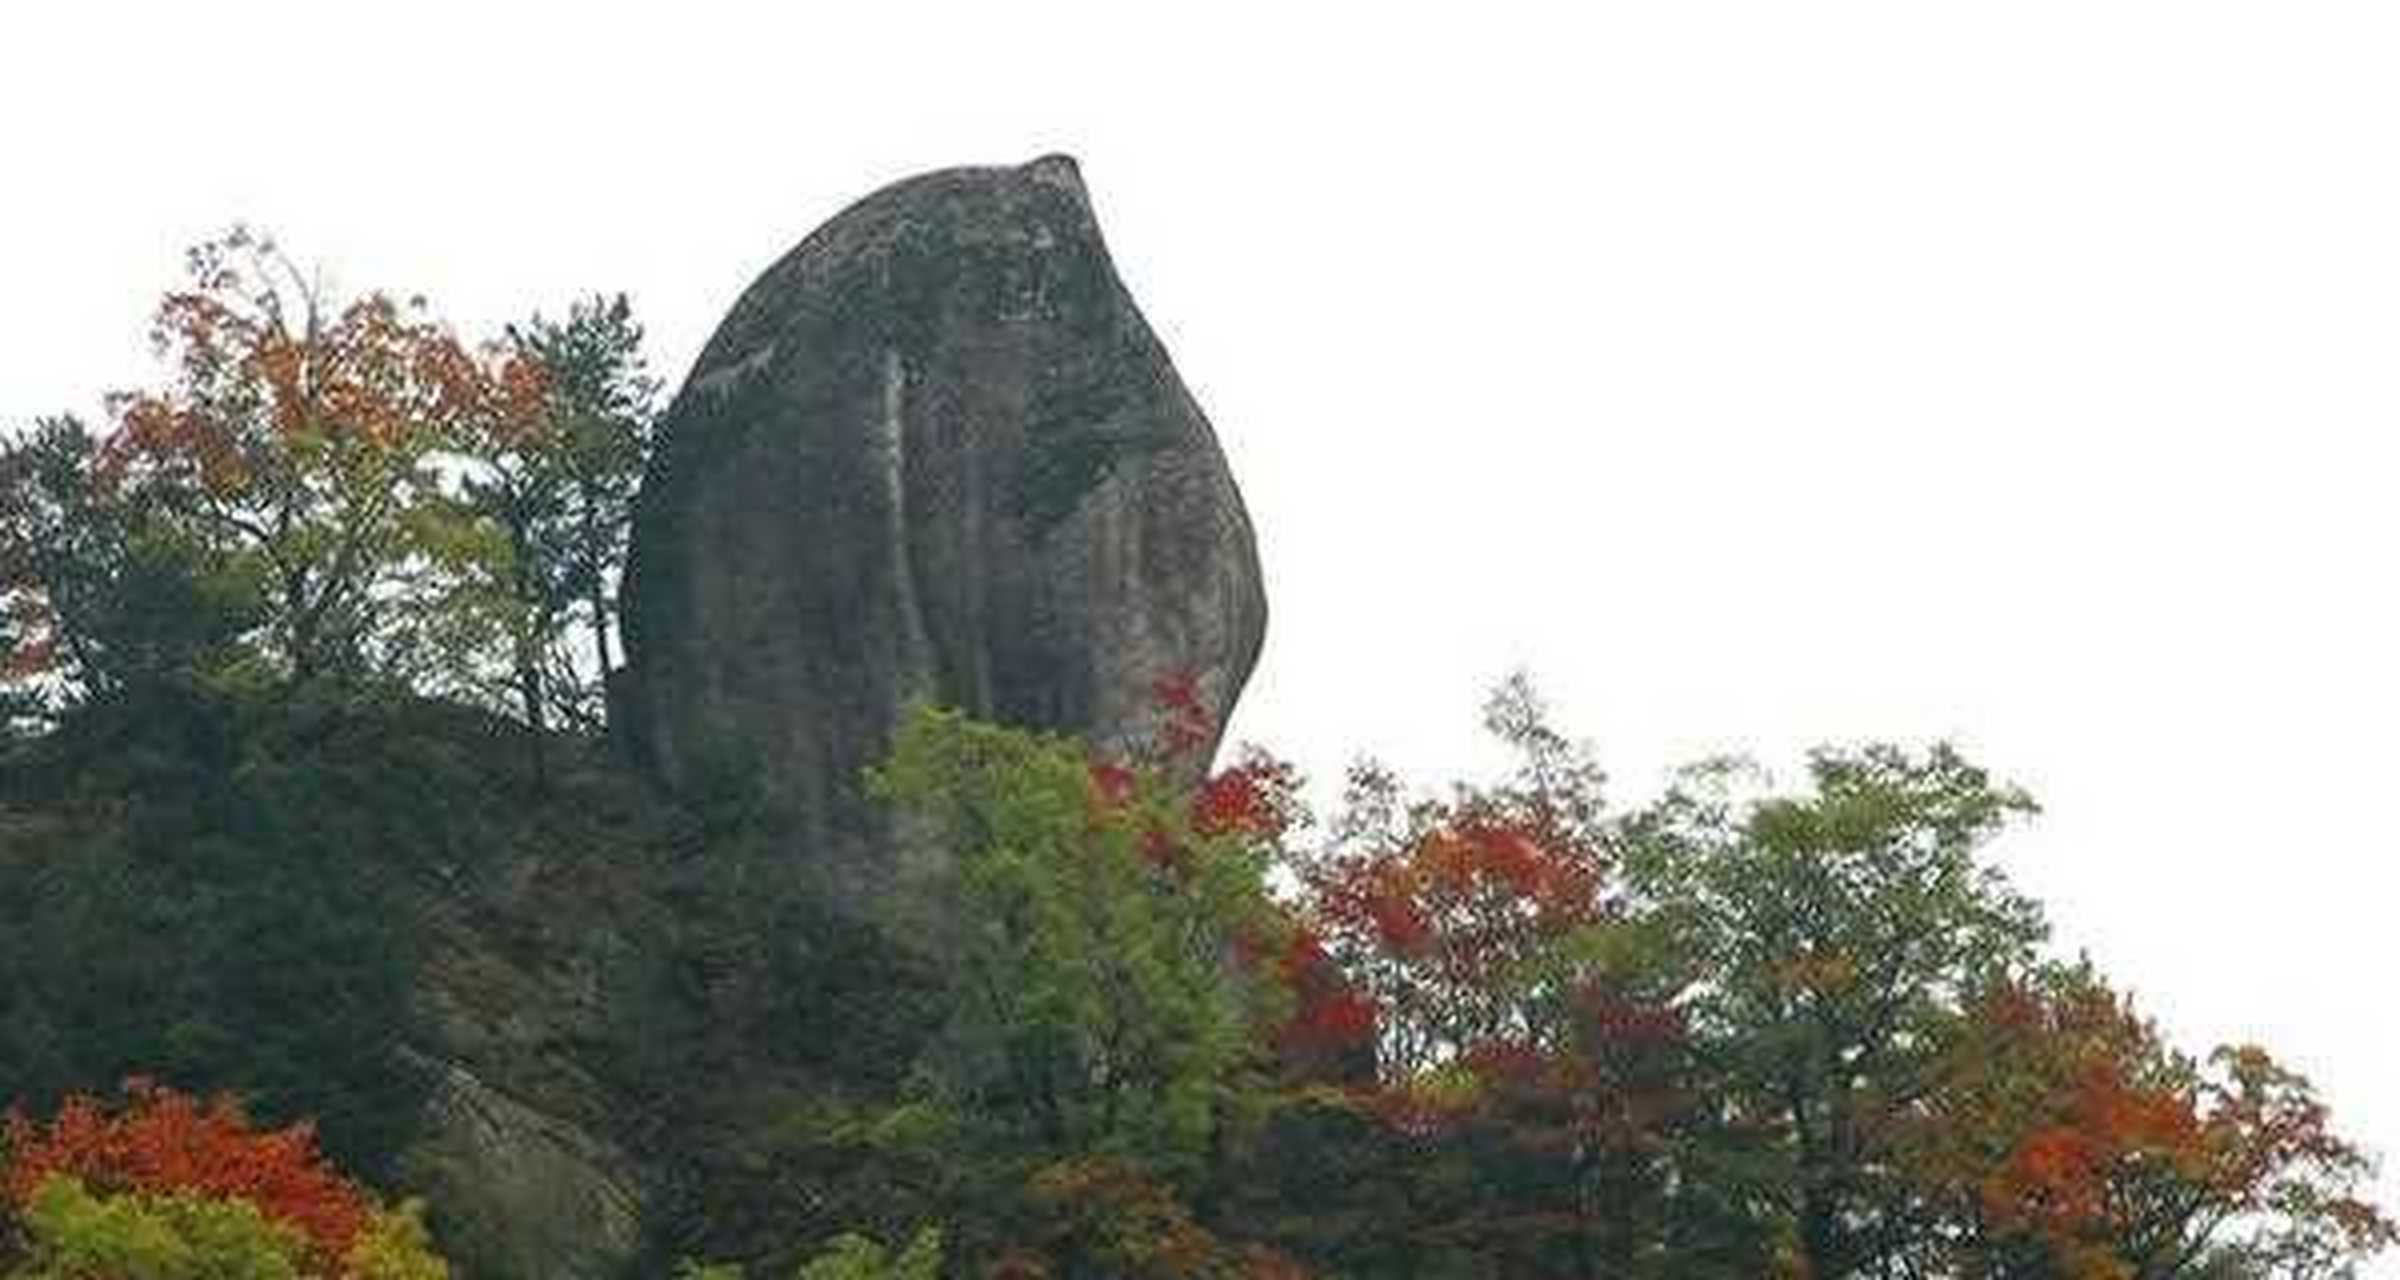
(1113, 786)
(1254, 798)
(2063, 1117)
(1449, 931)
(164, 1142)
(1251, 798)
(1332, 1021)
(1187, 725)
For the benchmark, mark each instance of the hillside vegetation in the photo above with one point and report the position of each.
(322, 886)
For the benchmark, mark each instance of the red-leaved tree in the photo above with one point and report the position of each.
(165, 1142)
(2067, 1137)
(302, 435)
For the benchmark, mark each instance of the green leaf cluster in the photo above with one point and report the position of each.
(855, 1257)
(1098, 1006)
(115, 593)
(73, 1234)
(535, 537)
(1834, 935)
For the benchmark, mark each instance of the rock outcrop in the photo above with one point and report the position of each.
(935, 452)
(529, 989)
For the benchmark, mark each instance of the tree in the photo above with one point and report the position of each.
(547, 500)
(1529, 1043)
(1834, 932)
(1115, 989)
(2066, 1137)
(73, 1234)
(98, 593)
(300, 436)
(603, 405)
(165, 1141)
(172, 1188)
(346, 489)
(1096, 1005)
(1463, 922)
(1459, 932)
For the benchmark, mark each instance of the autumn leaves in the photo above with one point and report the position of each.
(166, 1186)
(1736, 1032)
(341, 492)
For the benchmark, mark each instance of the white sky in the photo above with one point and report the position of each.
(1755, 374)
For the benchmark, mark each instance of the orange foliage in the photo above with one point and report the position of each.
(164, 1142)
(302, 432)
(1105, 1216)
(1445, 932)
(2064, 1117)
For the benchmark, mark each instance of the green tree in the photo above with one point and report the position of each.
(538, 529)
(395, 1245)
(603, 406)
(1114, 990)
(1834, 932)
(1099, 1004)
(71, 1233)
(99, 593)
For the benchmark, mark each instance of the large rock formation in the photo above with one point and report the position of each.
(935, 452)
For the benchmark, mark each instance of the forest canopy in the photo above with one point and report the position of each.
(1188, 1028)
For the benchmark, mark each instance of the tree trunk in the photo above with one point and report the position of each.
(529, 686)
(600, 630)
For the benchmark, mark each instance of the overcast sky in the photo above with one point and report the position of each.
(1755, 375)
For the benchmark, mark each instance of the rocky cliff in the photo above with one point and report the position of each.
(605, 1012)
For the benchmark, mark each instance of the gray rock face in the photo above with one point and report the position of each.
(935, 452)
(524, 1193)
(531, 1146)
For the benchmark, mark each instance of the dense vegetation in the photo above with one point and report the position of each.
(330, 496)
(220, 622)
(317, 630)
